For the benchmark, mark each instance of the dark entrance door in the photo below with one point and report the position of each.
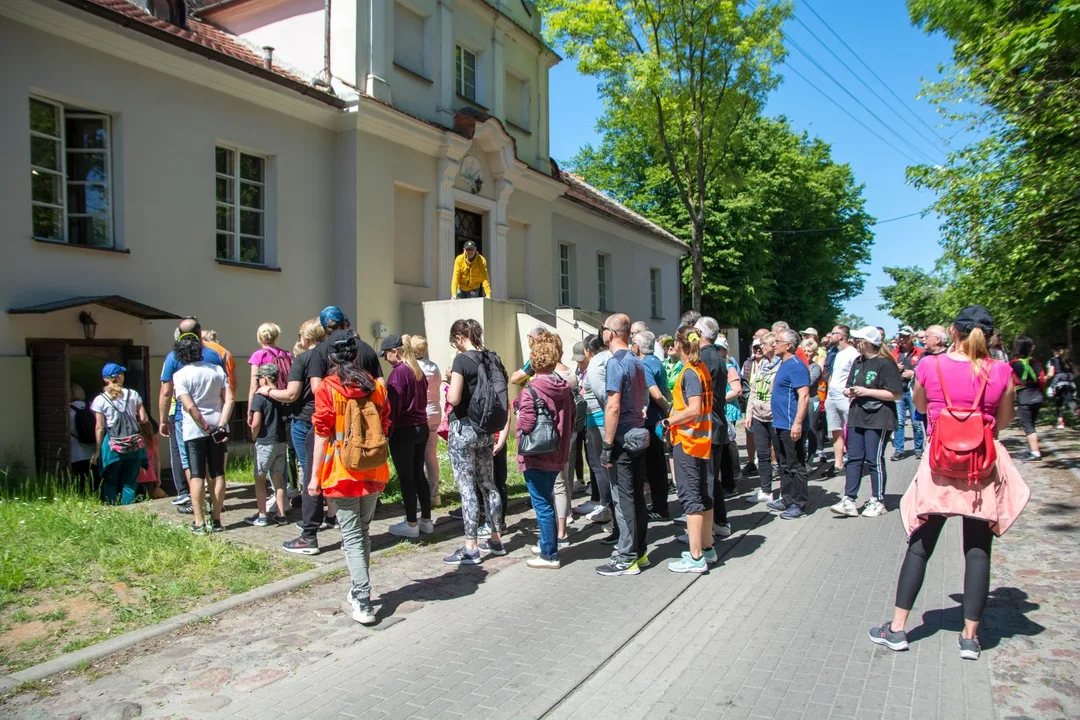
(468, 226)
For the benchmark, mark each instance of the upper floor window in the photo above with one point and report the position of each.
(240, 180)
(70, 175)
(603, 279)
(654, 292)
(565, 295)
(465, 73)
(410, 40)
(518, 110)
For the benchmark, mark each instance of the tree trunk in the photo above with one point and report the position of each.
(696, 243)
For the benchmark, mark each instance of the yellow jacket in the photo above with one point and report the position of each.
(469, 276)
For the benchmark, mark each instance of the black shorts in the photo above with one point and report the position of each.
(206, 458)
(691, 481)
(1028, 413)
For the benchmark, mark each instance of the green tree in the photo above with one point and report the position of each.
(852, 320)
(682, 76)
(914, 298)
(1011, 199)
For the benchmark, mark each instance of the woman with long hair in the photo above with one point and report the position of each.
(408, 395)
(472, 450)
(874, 385)
(119, 414)
(1029, 379)
(965, 377)
(690, 429)
(355, 492)
(1060, 376)
(434, 414)
(548, 392)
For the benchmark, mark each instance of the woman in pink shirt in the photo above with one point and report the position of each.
(988, 507)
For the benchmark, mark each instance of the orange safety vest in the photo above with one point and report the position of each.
(337, 480)
(695, 435)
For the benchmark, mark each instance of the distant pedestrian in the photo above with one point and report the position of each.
(907, 357)
(1030, 379)
(120, 446)
(837, 404)
(790, 401)
(1060, 375)
(759, 414)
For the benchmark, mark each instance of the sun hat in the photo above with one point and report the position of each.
(869, 333)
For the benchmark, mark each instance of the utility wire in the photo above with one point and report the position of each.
(849, 114)
(871, 71)
(843, 227)
(858, 77)
(859, 102)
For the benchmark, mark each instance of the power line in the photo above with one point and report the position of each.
(859, 102)
(850, 115)
(871, 71)
(858, 77)
(843, 227)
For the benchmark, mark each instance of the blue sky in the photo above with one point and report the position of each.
(881, 33)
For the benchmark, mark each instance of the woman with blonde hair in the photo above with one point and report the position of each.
(267, 336)
(121, 448)
(434, 414)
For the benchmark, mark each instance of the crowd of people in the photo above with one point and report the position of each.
(643, 413)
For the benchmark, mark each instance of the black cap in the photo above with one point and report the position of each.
(392, 342)
(343, 344)
(470, 245)
(974, 316)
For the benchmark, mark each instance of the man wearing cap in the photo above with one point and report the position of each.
(470, 278)
(907, 357)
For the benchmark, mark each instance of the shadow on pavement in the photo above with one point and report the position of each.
(1004, 617)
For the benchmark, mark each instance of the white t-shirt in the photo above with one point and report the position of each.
(431, 372)
(841, 368)
(205, 383)
(111, 409)
(79, 451)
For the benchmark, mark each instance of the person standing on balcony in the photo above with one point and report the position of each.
(470, 274)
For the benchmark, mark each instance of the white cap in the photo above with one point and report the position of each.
(869, 334)
(810, 331)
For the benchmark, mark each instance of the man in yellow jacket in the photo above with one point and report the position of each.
(470, 274)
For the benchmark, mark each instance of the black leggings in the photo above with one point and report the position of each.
(407, 448)
(1028, 414)
(977, 541)
(721, 468)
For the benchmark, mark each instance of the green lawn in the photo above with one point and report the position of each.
(74, 572)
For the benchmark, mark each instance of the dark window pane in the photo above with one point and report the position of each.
(44, 118)
(46, 187)
(224, 161)
(251, 223)
(224, 218)
(251, 195)
(90, 199)
(251, 167)
(90, 231)
(224, 191)
(86, 133)
(251, 250)
(224, 246)
(45, 153)
(86, 166)
(47, 223)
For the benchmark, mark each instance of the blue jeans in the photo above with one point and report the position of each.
(177, 458)
(905, 407)
(300, 430)
(541, 484)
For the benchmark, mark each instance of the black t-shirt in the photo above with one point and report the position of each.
(710, 358)
(907, 358)
(304, 406)
(466, 364)
(366, 359)
(1063, 369)
(875, 373)
(1029, 391)
(273, 419)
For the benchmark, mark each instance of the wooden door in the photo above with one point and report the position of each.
(137, 377)
(51, 389)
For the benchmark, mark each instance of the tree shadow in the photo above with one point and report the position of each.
(1005, 616)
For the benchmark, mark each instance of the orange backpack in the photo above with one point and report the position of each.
(364, 446)
(962, 442)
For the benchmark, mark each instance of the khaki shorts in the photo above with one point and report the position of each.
(269, 459)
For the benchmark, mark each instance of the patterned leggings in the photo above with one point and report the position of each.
(474, 472)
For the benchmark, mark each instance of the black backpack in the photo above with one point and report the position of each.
(84, 428)
(581, 412)
(488, 407)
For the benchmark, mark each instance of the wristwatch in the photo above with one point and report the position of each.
(607, 445)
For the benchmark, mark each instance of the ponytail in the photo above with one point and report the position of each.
(974, 345)
(689, 339)
(409, 357)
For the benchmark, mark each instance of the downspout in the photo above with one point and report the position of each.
(323, 79)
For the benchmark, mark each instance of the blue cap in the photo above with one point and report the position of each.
(331, 314)
(112, 370)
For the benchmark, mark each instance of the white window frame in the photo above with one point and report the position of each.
(566, 294)
(655, 293)
(235, 206)
(64, 207)
(603, 271)
(459, 73)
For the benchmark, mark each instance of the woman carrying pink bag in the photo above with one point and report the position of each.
(961, 382)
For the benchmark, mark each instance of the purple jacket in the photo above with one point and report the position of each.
(408, 398)
(555, 393)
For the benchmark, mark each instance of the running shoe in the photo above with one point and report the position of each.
(362, 610)
(456, 513)
(599, 514)
(215, 526)
(793, 512)
(710, 556)
(329, 522)
(484, 531)
(427, 527)
(257, 520)
(461, 556)
(614, 568)
(539, 563)
(749, 469)
(681, 519)
(874, 508)
(969, 648)
(759, 496)
(722, 530)
(301, 546)
(197, 529)
(898, 455)
(492, 547)
(658, 517)
(185, 509)
(185, 499)
(643, 561)
(611, 539)
(585, 508)
(778, 505)
(845, 508)
(687, 564)
(884, 635)
(404, 530)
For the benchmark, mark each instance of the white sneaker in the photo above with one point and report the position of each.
(846, 508)
(599, 515)
(426, 526)
(721, 530)
(362, 610)
(540, 563)
(535, 550)
(403, 530)
(759, 496)
(1060, 425)
(873, 508)
(585, 508)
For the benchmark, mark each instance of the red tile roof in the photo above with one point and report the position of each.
(585, 194)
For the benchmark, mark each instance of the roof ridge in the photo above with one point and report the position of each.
(603, 196)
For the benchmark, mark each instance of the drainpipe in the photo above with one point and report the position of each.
(323, 78)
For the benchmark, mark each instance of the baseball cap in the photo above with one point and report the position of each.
(332, 314)
(579, 352)
(869, 334)
(720, 342)
(470, 245)
(112, 370)
(268, 370)
(392, 342)
(906, 330)
(810, 331)
(756, 342)
(666, 340)
(974, 316)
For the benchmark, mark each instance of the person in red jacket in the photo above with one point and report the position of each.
(355, 492)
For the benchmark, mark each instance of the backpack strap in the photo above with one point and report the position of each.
(941, 381)
(982, 389)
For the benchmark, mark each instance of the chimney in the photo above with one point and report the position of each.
(268, 57)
